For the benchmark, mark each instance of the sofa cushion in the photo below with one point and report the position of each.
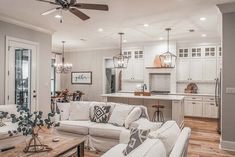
(150, 148)
(79, 110)
(64, 110)
(136, 139)
(133, 116)
(101, 114)
(116, 151)
(168, 134)
(181, 145)
(145, 124)
(120, 114)
(76, 127)
(106, 130)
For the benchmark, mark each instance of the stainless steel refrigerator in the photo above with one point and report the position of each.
(218, 95)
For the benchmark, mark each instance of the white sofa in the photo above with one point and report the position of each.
(75, 120)
(167, 141)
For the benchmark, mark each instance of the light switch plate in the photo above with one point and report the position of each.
(230, 90)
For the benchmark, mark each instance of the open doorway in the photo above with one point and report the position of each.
(109, 76)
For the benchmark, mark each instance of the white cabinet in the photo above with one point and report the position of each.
(183, 69)
(138, 70)
(189, 69)
(209, 69)
(135, 68)
(127, 73)
(199, 64)
(193, 108)
(196, 69)
(210, 110)
(200, 106)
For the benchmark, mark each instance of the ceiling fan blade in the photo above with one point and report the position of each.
(79, 14)
(92, 6)
(46, 1)
(51, 11)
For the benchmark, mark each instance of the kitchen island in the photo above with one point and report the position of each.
(174, 104)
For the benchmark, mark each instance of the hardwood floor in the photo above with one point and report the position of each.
(204, 141)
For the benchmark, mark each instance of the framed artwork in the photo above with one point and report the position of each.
(81, 77)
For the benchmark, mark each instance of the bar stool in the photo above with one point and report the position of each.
(158, 113)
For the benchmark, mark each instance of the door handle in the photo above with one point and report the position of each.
(34, 96)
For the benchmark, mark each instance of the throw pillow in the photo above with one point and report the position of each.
(64, 110)
(168, 134)
(101, 114)
(133, 116)
(119, 114)
(79, 110)
(136, 139)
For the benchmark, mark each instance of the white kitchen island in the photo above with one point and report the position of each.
(174, 104)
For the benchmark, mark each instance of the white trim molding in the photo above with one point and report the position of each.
(25, 25)
(227, 145)
(9, 39)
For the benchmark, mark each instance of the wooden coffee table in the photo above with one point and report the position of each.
(67, 146)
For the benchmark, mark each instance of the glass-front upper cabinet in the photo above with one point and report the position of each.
(183, 53)
(196, 52)
(210, 51)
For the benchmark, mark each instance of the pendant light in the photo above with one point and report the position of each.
(63, 67)
(120, 61)
(168, 58)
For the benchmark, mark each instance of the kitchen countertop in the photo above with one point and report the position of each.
(157, 97)
(184, 94)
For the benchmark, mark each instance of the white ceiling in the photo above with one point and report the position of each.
(126, 16)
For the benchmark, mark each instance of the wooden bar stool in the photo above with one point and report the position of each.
(158, 113)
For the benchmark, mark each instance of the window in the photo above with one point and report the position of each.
(53, 77)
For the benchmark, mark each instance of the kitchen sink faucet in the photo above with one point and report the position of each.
(144, 87)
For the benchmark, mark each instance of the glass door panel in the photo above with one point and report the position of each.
(23, 77)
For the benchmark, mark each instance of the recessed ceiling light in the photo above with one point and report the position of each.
(203, 35)
(58, 16)
(146, 25)
(202, 18)
(124, 40)
(161, 38)
(100, 30)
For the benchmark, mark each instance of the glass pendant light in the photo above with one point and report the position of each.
(120, 61)
(168, 58)
(63, 67)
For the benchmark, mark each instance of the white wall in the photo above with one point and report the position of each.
(228, 81)
(44, 59)
(87, 61)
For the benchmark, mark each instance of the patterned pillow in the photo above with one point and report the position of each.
(136, 139)
(101, 114)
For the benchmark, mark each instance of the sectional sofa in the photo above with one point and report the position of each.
(167, 141)
(75, 118)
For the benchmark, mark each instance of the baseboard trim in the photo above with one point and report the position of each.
(227, 145)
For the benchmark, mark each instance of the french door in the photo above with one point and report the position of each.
(21, 70)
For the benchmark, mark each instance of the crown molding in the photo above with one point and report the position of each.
(227, 7)
(25, 25)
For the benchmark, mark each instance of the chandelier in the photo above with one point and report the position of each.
(168, 58)
(63, 67)
(120, 61)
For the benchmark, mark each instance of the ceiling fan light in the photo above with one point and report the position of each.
(58, 16)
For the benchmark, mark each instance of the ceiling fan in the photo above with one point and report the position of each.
(73, 6)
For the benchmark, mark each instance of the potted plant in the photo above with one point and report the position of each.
(30, 124)
(2, 116)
